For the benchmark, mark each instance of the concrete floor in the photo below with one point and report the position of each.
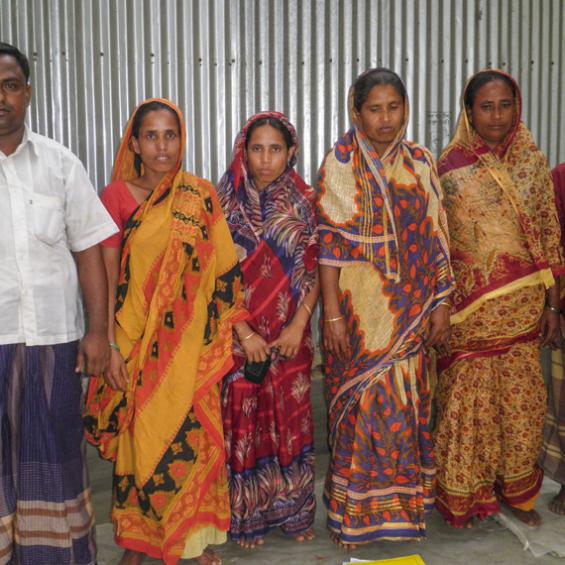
(488, 543)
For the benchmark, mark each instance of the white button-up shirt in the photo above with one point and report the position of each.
(48, 208)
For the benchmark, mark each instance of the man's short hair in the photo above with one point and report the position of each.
(7, 49)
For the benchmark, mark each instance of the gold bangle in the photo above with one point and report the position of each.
(307, 308)
(114, 346)
(445, 303)
(333, 319)
(246, 337)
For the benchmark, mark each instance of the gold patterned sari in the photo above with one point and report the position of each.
(505, 252)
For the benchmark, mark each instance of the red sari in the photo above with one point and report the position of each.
(268, 427)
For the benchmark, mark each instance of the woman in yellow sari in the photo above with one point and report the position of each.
(176, 282)
(506, 255)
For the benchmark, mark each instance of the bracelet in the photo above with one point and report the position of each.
(114, 346)
(333, 319)
(445, 303)
(553, 308)
(247, 337)
(307, 308)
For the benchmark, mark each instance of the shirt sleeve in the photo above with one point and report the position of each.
(111, 201)
(87, 221)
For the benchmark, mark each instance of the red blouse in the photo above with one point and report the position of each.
(121, 204)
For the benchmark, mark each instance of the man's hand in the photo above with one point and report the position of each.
(93, 354)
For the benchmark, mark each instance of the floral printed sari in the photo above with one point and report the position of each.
(382, 224)
(505, 249)
(268, 427)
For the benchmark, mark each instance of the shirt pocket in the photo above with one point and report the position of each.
(47, 218)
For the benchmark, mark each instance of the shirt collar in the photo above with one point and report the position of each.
(27, 137)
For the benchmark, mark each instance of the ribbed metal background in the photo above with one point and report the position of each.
(223, 60)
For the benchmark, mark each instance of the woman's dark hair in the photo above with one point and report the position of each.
(138, 120)
(479, 80)
(274, 123)
(12, 51)
(376, 77)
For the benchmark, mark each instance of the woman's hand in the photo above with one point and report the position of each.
(116, 375)
(549, 328)
(440, 327)
(256, 348)
(336, 340)
(289, 341)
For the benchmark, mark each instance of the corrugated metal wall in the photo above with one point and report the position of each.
(223, 60)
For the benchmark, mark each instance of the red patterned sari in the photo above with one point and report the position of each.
(505, 253)
(268, 427)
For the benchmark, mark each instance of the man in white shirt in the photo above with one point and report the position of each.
(51, 222)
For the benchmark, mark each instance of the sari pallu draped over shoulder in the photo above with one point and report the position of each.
(179, 292)
(505, 251)
(502, 216)
(268, 427)
(382, 224)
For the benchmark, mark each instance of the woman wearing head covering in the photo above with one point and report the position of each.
(268, 417)
(175, 288)
(506, 255)
(386, 281)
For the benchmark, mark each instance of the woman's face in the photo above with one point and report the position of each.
(267, 155)
(158, 142)
(493, 111)
(381, 116)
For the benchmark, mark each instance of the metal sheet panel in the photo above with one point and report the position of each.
(223, 60)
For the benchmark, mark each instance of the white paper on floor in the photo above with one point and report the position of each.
(544, 539)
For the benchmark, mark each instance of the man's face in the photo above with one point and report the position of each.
(15, 95)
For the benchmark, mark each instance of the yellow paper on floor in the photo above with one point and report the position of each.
(408, 560)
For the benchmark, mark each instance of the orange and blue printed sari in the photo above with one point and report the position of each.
(268, 427)
(179, 292)
(382, 224)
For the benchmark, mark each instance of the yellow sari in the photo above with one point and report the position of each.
(179, 293)
(505, 252)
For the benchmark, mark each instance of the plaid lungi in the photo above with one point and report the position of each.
(45, 509)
